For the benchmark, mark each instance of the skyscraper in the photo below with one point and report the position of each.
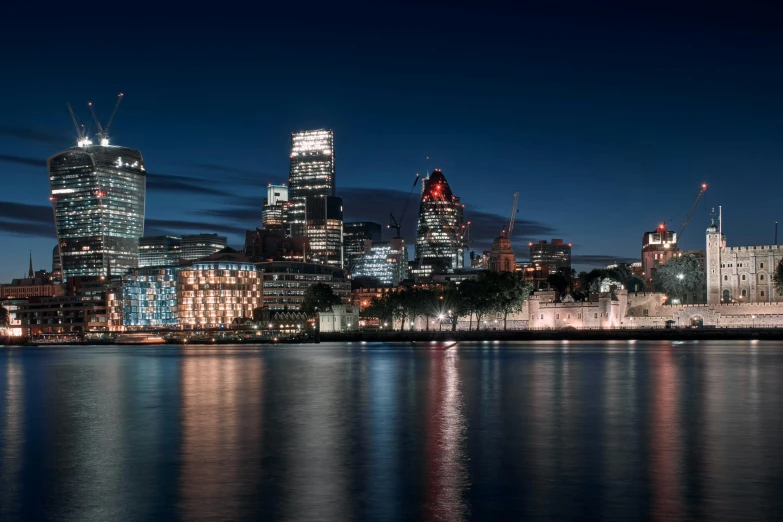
(440, 246)
(386, 261)
(314, 211)
(98, 194)
(354, 237)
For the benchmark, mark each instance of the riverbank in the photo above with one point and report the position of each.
(675, 334)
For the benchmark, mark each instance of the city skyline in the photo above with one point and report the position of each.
(602, 145)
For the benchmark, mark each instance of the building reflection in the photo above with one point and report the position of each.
(666, 435)
(222, 428)
(12, 437)
(446, 477)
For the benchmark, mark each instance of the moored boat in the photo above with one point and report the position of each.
(139, 338)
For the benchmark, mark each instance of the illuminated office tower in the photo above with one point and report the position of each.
(440, 246)
(355, 235)
(386, 261)
(314, 211)
(98, 194)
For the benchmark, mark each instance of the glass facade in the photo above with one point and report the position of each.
(98, 195)
(285, 282)
(275, 211)
(214, 294)
(149, 297)
(354, 237)
(440, 246)
(556, 254)
(196, 246)
(314, 211)
(386, 261)
(159, 251)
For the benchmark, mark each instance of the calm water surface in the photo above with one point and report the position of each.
(528, 431)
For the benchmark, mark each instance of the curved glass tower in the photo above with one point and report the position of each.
(98, 194)
(439, 243)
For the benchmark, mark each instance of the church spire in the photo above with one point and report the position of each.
(31, 274)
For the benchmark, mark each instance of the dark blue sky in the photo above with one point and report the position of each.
(606, 117)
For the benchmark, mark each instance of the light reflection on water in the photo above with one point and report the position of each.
(536, 431)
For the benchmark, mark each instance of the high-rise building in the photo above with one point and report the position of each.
(556, 254)
(354, 236)
(440, 246)
(311, 174)
(658, 247)
(149, 297)
(196, 246)
(98, 194)
(386, 261)
(274, 213)
(57, 265)
(314, 211)
(159, 251)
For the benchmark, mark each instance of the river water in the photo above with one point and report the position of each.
(511, 431)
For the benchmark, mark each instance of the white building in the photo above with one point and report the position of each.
(342, 318)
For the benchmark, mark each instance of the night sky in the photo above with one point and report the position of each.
(606, 117)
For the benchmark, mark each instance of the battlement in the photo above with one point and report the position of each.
(776, 248)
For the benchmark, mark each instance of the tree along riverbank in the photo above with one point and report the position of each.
(674, 334)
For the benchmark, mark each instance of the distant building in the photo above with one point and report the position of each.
(556, 254)
(325, 230)
(479, 262)
(535, 273)
(285, 282)
(658, 247)
(98, 195)
(354, 236)
(57, 265)
(385, 261)
(159, 251)
(215, 293)
(440, 246)
(196, 246)
(342, 318)
(149, 297)
(501, 257)
(38, 284)
(274, 214)
(273, 245)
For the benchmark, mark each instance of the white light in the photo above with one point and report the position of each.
(680, 276)
(63, 191)
(84, 142)
(104, 142)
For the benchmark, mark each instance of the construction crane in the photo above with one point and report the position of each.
(103, 133)
(393, 223)
(465, 236)
(81, 131)
(513, 214)
(693, 208)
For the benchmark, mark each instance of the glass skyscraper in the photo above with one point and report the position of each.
(159, 251)
(98, 194)
(196, 246)
(440, 246)
(314, 211)
(354, 237)
(386, 261)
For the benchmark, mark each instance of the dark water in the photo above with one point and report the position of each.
(540, 431)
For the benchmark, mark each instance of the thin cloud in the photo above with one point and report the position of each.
(183, 184)
(600, 260)
(22, 160)
(161, 226)
(25, 212)
(27, 228)
(33, 135)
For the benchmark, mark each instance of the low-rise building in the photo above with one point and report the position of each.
(342, 318)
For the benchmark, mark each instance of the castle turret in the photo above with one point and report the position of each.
(714, 246)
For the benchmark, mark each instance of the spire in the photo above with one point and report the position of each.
(31, 274)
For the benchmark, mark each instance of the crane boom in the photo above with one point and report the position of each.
(693, 208)
(111, 118)
(513, 213)
(75, 122)
(95, 119)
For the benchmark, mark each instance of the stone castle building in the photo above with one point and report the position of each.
(740, 274)
(501, 256)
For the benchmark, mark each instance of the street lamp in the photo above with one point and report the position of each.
(680, 276)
